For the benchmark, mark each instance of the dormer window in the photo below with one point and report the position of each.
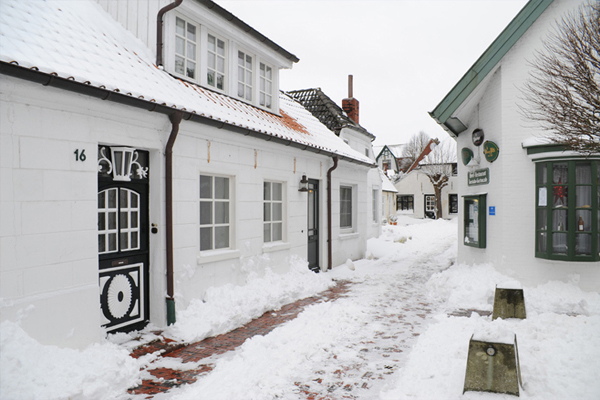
(266, 85)
(215, 75)
(185, 48)
(244, 76)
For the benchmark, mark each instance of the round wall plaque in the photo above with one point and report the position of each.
(491, 151)
(477, 137)
(466, 155)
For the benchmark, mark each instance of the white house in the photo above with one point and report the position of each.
(142, 165)
(389, 195)
(416, 193)
(528, 207)
(389, 158)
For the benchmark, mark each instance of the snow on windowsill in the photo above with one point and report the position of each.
(217, 255)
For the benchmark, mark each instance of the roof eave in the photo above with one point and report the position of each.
(485, 63)
(211, 5)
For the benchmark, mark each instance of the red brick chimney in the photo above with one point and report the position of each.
(350, 105)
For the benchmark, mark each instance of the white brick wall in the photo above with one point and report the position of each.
(511, 232)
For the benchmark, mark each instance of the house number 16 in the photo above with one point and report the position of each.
(80, 156)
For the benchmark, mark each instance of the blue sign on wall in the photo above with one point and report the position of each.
(492, 210)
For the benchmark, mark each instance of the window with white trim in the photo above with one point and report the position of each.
(216, 62)
(215, 212)
(376, 197)
(272, 211)
(244, 76)
(186, 48)
(345, 207)
(266, 85)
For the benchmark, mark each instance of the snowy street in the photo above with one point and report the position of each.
(349, 348)
(397, 333)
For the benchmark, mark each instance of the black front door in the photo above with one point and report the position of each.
(123, 239)
(313, 225)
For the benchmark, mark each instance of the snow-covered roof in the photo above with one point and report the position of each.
(387, 185)
(395, 149)
(79, 41)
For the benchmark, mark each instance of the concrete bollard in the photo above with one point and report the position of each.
(509, 302)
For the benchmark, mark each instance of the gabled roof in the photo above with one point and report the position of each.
(386, 184)
(394, 149)
(326, 110)
(77, 46)
(442, 114)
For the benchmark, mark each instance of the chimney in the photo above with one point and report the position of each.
(350, 105)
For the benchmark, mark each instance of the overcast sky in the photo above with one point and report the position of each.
(405, 56)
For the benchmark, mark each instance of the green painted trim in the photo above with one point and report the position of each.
(170, 311)
(546, 148)
(481, 220)
(487, 62)
(570, 230)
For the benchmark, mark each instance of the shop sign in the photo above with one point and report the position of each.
(491, 151)
(479, 177)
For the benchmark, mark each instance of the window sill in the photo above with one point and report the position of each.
(277, 246)
(349, 235)
(217, 255)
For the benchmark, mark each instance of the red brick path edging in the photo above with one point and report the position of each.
(194, 352)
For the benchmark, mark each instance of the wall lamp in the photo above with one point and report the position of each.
(303, 187)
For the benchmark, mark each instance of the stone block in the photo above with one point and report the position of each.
(493, 366)
(509, 303)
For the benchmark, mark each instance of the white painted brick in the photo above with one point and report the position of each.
(45, 217)
(28, 185)
(67, 185)
(8, 254)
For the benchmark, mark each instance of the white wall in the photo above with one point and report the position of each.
(48, 226)
(417, 184)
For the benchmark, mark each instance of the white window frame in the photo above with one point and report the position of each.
(376, 196)
(244, 81)
(269, 213)
(344, 189)
(264, 84)
(208, 51)
(196, 59)
(212, 223)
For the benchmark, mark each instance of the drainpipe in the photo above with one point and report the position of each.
(329, 251)
(175, 119)
(159, 30)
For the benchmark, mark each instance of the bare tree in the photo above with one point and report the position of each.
(563, 92)
(413, 149)
(438, 166)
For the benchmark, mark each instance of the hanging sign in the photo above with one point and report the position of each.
(466, 155)
(477, 137)
(491, 151)
(479, 177)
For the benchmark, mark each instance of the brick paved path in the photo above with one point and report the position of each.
(195, 352)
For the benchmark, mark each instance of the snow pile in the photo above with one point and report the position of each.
(558, 343)
(227, 307)
(466, 287)
(34, 371)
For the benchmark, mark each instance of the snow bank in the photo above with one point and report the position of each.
(559, 346)
(227, 307)
(34, 371)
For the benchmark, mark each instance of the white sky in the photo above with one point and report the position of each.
(405, 55)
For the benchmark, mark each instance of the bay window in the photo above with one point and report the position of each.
(567, 210)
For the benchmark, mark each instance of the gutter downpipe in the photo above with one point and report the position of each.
(175, 119)
(329, 245)
(159, 30)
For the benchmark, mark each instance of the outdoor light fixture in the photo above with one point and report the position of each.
(122, 159)
(303, 187)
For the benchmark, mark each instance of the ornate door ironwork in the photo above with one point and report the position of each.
(123, 238)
